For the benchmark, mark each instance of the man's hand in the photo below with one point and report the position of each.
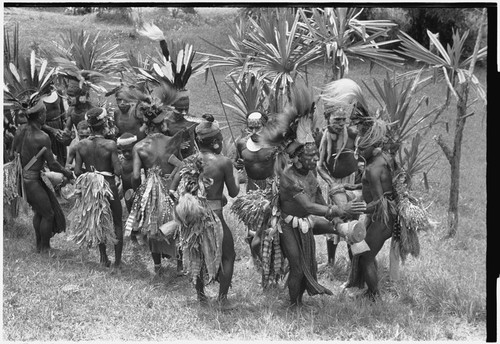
(184, 145)
(354, 208)
(238, 164)
(68, 174)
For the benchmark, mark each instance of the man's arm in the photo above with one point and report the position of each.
(78, 160)
(331, 211)
(374, 177)
(52, 163)
(230, 178)
(136, 168)
(117, 166)
(323, 173)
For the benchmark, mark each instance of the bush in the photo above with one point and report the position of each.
(115, 14)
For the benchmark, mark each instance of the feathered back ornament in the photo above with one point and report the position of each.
(295, 122)
(175, 62)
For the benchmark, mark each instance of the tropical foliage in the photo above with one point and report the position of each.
(342, 36)
(88, 58)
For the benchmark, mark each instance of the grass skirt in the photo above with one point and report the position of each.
(91, 219)
(152, 206)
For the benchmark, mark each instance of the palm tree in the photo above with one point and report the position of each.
(458, 73)
(341, 37)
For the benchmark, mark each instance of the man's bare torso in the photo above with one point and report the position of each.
(97, 153)
(258, 165)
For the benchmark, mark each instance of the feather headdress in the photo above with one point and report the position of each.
(295, 123)
(342, 93)
(175, 63)
(250, 95)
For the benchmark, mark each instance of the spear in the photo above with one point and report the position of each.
(224, 110)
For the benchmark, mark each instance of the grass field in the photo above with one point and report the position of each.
(441, 295)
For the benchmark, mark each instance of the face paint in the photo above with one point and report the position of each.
(309, 157)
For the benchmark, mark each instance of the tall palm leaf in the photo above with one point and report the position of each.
(342, 37)
(84, 56)
(280, 55)
(403, 111)
(448, 64)
(238, 57)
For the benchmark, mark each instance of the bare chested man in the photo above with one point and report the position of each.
(33, 147)
(258, 163)
(377, 185)
(127, 119)
(220, 170)
(300, 197)
(158, 155)
(178, 120)
(100, 155)
(79, 103)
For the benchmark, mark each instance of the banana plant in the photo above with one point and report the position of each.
(342, 37)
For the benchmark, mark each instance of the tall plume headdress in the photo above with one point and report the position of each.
(344, 99)
(292, 129)
(27, 80)
(174, 64)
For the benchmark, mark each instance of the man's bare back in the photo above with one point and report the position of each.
(220, 169)
(155, 150)
(100, 153)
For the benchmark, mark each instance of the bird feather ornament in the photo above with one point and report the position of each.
(176, 57)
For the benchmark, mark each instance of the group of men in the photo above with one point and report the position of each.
(150, 154)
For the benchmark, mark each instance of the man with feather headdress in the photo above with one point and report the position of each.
(175, 66)
(26, 86)
(391, 209)
(159, 156)
(302, 209)
(206, 240)
(338, 164)
(32, 148)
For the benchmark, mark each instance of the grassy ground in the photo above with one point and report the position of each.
(67, 296)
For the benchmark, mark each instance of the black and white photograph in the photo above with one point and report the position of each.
(235, 171)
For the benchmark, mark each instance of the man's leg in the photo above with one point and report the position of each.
(376, 236)
(117, 212)
(227, 263)
(37, 218)
(157, 263)
(103, 260)
(44, 214)
(296, 276)
(200, 288)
